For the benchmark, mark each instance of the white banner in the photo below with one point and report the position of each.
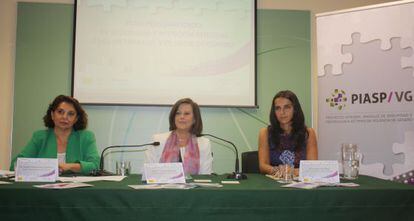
(366, 86)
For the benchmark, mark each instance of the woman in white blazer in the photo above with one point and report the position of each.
(183, 143)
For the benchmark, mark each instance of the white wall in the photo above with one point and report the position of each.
(8, 15)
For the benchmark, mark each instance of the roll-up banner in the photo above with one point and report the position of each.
(366, 86)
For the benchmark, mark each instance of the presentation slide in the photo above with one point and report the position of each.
(154, 52)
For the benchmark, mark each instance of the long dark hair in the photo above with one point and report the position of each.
(197, 127)
(299, 131)
(82, 121)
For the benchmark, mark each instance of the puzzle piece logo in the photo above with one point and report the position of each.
(383, 23)
(347, 58)
(403, 173)
(406, 148)
(337, 99)
(396, 47)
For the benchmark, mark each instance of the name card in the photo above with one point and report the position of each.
(164, 173)
(326, 171)
(36, 170)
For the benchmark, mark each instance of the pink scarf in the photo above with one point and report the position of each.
(171, 152)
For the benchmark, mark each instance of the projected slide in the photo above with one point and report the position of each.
(153, 52)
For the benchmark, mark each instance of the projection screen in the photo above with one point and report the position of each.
(153, 52)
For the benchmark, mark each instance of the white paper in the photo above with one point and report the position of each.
(302, 185)
(174, 186)
(305, 185)
(146, 186)
(5, 182)
(156, 186)
(209, 185)
(62, 185)
(36, 170)
(6, 173)
(164, 173)
(85, 179)
(230, 182)
(202, 181)
(325, 171)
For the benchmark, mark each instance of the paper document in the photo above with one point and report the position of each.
(63, 185)
(174, 186)
(312, 185)
(85, 179)
(163, 186)
(208, 185)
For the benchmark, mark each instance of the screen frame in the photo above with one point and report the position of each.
(255, 105)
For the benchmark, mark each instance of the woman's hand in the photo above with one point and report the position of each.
(279, 171)
(74, 167)
(296, 172)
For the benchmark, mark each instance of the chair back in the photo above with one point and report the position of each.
(250, 162)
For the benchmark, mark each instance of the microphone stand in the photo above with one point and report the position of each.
(236, 174)
(101, 171)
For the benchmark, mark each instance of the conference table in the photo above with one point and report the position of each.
(257, 198)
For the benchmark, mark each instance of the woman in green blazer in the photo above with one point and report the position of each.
(65, 138)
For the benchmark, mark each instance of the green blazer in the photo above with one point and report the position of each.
(81, 148)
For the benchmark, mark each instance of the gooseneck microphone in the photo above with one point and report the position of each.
(236, 174)
(101, 171)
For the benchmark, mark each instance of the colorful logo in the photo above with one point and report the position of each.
(337, 100)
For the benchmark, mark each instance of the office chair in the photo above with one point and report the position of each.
(250, 162)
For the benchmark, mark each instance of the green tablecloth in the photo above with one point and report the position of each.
(257, 198)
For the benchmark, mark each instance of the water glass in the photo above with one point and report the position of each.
(351, 169)
(350, 160)
(123, 168)
(287, 173)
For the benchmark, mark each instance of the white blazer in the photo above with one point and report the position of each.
(153, 153)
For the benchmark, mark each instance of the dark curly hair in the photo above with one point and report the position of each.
(82, 117)
(299, 130)
(197, 127)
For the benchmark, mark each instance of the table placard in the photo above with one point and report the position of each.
(36, 170)
(164, 173)
(326, 171)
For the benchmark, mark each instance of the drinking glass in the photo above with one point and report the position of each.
(123, 168)
(287, 173)
(350, 160)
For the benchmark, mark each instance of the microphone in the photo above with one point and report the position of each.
(236, 174)
(101, 171)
